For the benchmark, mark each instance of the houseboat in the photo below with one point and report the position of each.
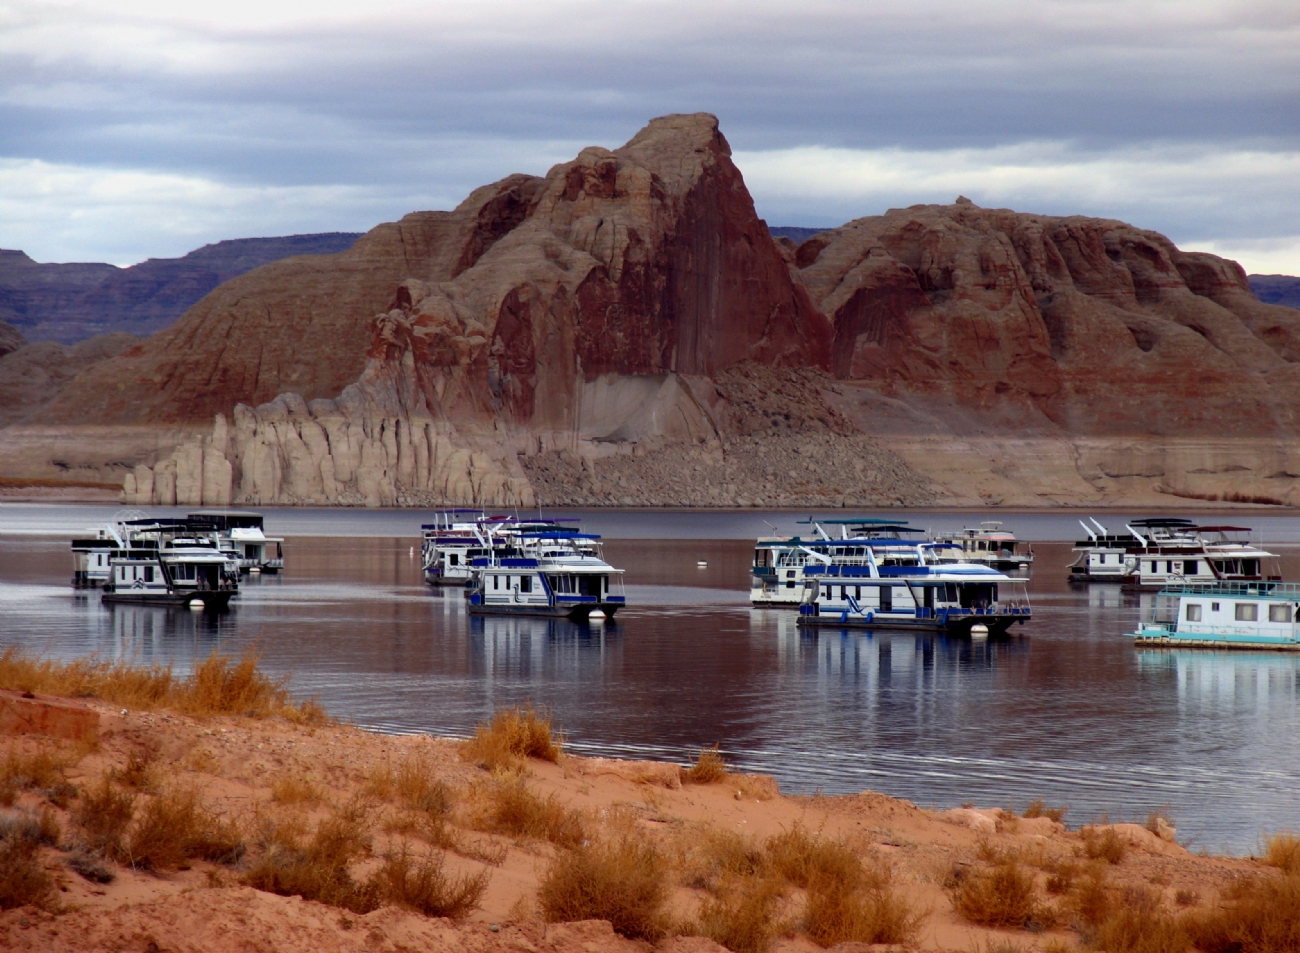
(989, 545)
(1227, 615)
(552, 573)
(776, 576)
(243, 535)
(130, 536)
(958, 598)
(1204, 556)
(180, 571)
(453, 542)
(1101, 557)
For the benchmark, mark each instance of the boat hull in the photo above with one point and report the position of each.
(1203, 640)
(212, 600)
(577, 613)
(953, 625)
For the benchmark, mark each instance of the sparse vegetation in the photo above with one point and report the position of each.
(289, 789)
(1257, 915)
(421, 884)
(513, 733)
(1283, 852)
(742, 918)
(622, 879)
(174, 828)
(42, 771)
(23, 880)
(515, 810)
(1141, 925)
(709, 768)
(218, 686)
(1040, 809)
(866, 911)
(1104, 844)
(1002, 895)
(103, 815)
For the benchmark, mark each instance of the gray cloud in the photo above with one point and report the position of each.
(422, 104)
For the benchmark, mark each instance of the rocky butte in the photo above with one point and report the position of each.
(625, 331)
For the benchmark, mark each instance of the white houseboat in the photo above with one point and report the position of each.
(776, 576)
(1101, 557)
(1207, 555)
(958, 598)
(243, 535)
(452, 543)
(1258, 615)
(990, 545)
(130, 536)
(554, 573)
(181, 571)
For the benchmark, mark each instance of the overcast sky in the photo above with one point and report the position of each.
(142, 128)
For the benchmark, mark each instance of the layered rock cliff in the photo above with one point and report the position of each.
(625, 330)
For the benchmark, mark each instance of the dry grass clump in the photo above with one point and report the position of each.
(319, 870)
(139, 772)
(1039, 808)
(288, 789)
(709, 768)
(1092, 900)
(1283, 852)
(1105, 845)
(512, 734)
(711, 856)
(802, 858)
(421, 884)
(514, 810)
(23, 880)
(103, 815)
(742, 918)
(419, 787)
(174, 828)
(1140, 925)
(41, 771)
(622, 879)
(218, 686)
(1002, 895)
(1258, 915)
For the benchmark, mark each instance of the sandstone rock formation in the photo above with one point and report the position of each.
(11, 339)
(625, 330)
(72, 302)
(31, 375)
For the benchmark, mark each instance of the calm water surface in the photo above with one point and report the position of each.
(1066, 709)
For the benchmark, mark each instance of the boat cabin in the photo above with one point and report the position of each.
(1263, 615)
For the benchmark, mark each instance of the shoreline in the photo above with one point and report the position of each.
(269, 777)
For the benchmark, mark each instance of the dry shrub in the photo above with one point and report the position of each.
(713, 855)
(999, 896)
(23, 880)
(867, 912)
(1161, 819)
(90, 867)
(421, 884)
(743, 918)
(1060, 877)
(418, 786)
(623, 880)
(1284, 852)
(709, 768)
(1105, 845)
(1092, 900)
(288, 789)
(801, 858)
(320, 870)
(139, 772)
(1039, 808)
(513, 733)
(514, 810)
(1259, 915)
(1141, 925)
(218, 686)
(1186, 897)
(42, 771)
(103, 815)
(175, 828)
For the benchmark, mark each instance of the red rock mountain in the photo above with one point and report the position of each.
(625, 330)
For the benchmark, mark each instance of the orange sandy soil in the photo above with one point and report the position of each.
(234, 761)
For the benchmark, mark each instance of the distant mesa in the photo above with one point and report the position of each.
(72, 302)
(1277, 289)
(625, 330)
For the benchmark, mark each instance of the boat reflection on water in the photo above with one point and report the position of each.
(525, 647)
(1235, 683)
(162, 635)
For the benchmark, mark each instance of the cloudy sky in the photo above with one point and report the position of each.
(138, 128)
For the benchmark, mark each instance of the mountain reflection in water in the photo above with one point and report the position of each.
(1064, 709)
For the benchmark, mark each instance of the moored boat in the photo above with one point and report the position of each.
(181, 571)
(553, 573)
(1164, 551)
(1229, 615)
(243, 535)
(959, 598)
(989, 545)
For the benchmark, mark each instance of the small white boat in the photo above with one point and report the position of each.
(1260, 615)
(989, 545)
(180, 571)
(553, 573)
(243, 535)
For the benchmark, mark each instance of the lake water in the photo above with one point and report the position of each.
(1065, 709)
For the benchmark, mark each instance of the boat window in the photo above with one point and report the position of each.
(857, 592)
(1214, 607)
(886, 598)
(789, 583)
(1250, 567)
(1247, 612)
(1279, 613)
(1193, 612)
(1189, 567)
(455, 559)
(525, 583)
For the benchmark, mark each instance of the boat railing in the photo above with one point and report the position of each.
(1276, 590)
